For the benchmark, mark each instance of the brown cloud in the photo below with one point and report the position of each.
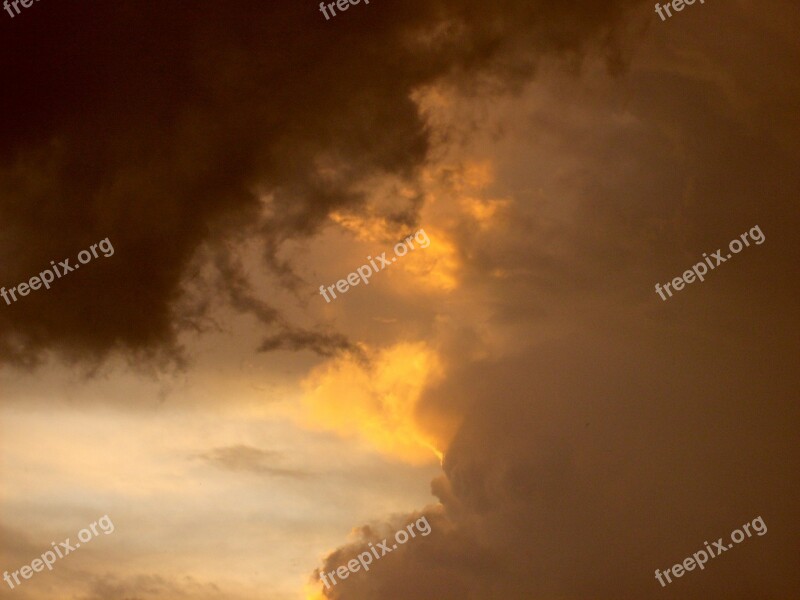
(622, 432)
(584, 466)
(158, 125)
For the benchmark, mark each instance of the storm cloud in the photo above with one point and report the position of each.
(164, 126)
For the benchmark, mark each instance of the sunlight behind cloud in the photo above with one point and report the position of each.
(376, 402)
(436, 267)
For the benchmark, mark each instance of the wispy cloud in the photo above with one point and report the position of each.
(247, 459)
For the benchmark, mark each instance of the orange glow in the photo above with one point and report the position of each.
(483, 211)
(314, 591)
(436, 267)
(377, 402)
(365, 228)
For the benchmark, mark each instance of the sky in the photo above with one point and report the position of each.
(515, 378)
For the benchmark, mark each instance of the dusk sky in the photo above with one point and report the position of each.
(535, 376)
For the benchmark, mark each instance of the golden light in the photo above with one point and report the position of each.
(376, 401)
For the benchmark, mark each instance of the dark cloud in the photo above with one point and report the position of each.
(427, 557)
(159, 125)
(235, 285)
(631, 431)
(587, 464)
(324, 344)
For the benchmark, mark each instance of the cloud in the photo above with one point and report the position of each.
(324, 344)
(17, 548)
(246, 459)
(575, 476)
(163, 129)
(606, 434)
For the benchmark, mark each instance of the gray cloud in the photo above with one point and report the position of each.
(247, 459)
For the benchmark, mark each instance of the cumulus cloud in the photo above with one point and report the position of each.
(609, 433)
(601, 433)
(583, 466)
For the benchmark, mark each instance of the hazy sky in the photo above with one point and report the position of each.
(519, 382)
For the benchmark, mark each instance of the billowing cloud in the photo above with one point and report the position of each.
(590, 432)
(610, 433)
(164, 127)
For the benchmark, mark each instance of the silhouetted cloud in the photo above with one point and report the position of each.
(163, 126)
